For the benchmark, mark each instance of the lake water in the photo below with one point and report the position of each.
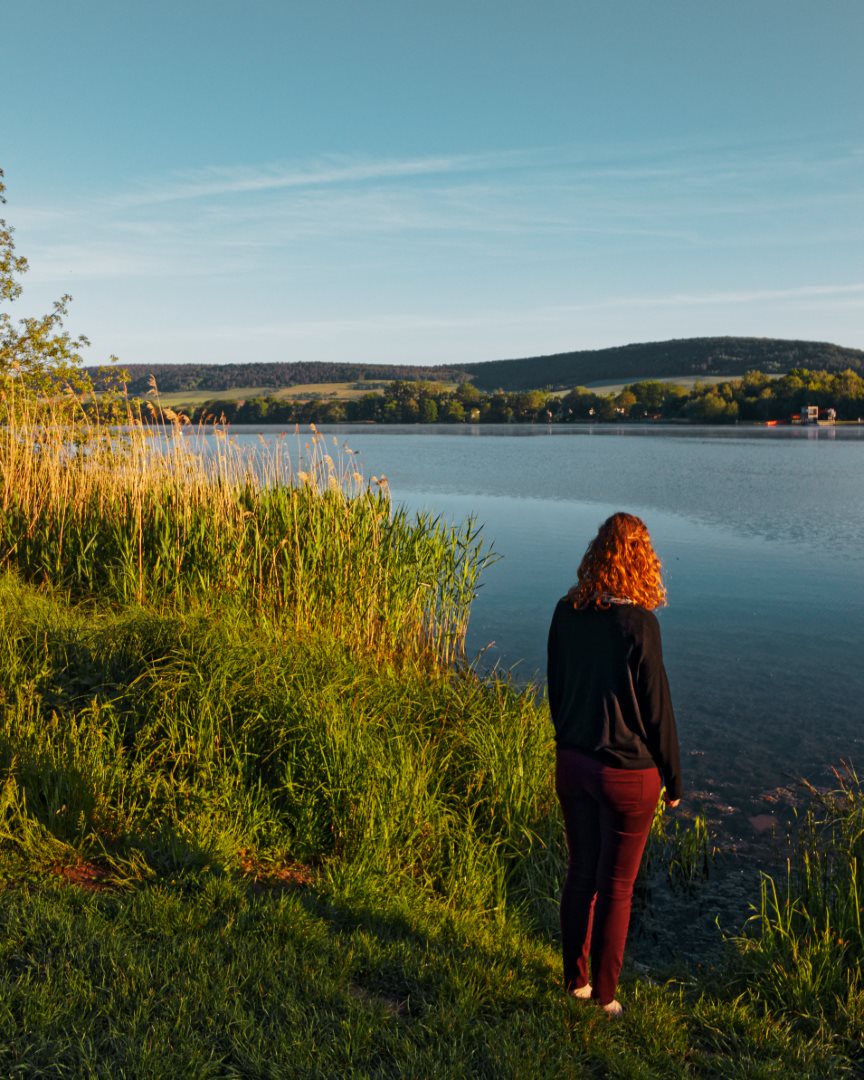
(760, 533)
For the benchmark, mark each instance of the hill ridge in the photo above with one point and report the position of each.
(718, 355)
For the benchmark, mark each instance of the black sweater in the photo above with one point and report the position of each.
(608, 691)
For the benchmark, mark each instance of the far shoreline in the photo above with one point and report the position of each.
(522, 428)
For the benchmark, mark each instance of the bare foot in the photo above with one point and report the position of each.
(581, 992)
(613, 1010)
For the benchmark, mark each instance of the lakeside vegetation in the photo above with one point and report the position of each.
(754, 398)
(243, 832)
(171, 521)
(258, 816)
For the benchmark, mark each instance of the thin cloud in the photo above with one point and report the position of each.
(218, 181)
(745, 296)
(388, 323)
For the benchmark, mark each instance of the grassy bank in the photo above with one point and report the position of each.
(179, 741)
(225, 853)
(255, 821)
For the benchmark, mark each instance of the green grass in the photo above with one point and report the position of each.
(805, 951)
(211, 979)
(339, 391)
(177, 398)
(160, 742)
(335, 391)
(316, 865)
(234, 698)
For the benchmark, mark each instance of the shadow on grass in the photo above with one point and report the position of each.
(423, 956)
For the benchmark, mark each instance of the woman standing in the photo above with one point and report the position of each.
(616, 744)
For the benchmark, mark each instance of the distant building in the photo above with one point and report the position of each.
(812, 414)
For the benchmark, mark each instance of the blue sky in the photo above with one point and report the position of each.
(435, 182)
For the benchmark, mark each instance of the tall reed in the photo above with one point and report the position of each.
(164, 515)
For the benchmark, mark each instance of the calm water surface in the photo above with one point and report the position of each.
(760, 533)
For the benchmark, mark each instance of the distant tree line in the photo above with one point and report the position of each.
(754, 397)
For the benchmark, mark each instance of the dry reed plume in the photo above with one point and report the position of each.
(163, 515)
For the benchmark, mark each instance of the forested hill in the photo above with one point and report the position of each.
(171, 378)
(657, 359)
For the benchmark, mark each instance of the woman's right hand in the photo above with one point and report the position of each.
(672, 803)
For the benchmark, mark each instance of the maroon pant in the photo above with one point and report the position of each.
(607, 815)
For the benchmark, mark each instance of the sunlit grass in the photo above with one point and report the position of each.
(173, 741)
(233, 693)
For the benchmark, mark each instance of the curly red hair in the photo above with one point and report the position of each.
(620, 562)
